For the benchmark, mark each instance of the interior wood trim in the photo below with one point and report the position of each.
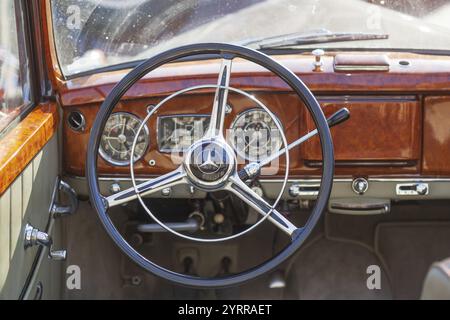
(436, 136)
(426, 74)
(22, 143)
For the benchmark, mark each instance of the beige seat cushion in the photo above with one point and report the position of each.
(437, 282)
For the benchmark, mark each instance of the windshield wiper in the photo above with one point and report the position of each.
(321, 36)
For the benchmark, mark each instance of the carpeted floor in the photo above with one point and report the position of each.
(331, 265)
(330, 269)
(409, 248)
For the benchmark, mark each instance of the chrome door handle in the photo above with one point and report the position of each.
(59, 210)
(35, 237)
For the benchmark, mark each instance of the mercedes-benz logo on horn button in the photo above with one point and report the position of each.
(209, 162)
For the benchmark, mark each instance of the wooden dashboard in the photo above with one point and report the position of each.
(398, 126)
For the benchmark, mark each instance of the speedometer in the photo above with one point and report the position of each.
(254, 135)
(118, 136)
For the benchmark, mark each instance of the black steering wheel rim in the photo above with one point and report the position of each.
(224, 50)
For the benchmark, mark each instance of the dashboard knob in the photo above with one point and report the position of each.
(114, 188)
(422, 188)
(360, 185)
(318, 54)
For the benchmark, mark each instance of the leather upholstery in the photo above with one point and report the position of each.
(437, 281)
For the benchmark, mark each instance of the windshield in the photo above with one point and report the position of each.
(91, 34)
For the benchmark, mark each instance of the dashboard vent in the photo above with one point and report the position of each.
(76, 121)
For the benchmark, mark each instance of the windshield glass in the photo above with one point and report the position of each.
(90, 34)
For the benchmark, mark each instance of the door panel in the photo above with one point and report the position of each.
(27, 200)
(29, 149)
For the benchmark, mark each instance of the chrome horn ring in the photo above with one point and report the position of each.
(285, 178)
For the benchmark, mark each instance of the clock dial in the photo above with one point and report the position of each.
(118, 136)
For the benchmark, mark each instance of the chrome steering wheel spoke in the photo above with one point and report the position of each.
(246, 194)
(149, 187)
(227, 51)
(215, 129)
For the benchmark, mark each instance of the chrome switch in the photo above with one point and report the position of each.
(360, 185)
(304, 190)
(114, 188)
(412, 189)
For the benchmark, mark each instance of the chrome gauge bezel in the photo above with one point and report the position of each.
(233, 128)
(171, 116)
(114, 162)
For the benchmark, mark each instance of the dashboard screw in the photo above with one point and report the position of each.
(166, 192)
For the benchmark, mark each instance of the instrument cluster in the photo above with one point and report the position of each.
(253, 134)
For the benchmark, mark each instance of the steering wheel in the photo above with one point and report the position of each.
(210, 163)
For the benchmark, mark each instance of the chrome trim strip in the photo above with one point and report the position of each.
(361, 68)
(365, 98)
(362, 163)
(293, 180)
(312, 180)
(418, 179)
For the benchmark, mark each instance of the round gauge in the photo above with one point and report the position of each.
(118, 136)
(255, 135)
